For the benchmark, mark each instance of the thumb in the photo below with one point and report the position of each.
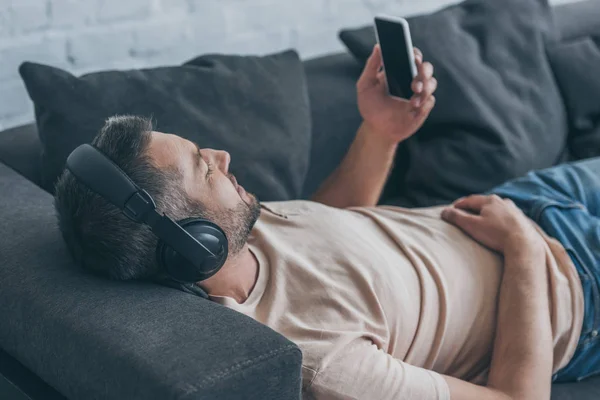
(461, 219)
(373, 64)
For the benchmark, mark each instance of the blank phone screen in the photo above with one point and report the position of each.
(396, 61)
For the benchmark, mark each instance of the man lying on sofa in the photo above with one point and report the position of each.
(482, 299)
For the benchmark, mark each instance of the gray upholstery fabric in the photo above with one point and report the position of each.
(95, 339)
(576, 64)
(335, 117)
(20, 148)
(499, 112)
(255, 107)
(331, 84)
(17, 381)
(577, 19)
(588, 389)
(331, 87)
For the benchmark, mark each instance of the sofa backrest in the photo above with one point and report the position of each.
(331, 84)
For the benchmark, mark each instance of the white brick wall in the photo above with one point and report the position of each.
(88, 35)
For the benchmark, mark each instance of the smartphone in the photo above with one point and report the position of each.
(393, 36)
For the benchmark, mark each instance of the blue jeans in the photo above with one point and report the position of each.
(565, 203)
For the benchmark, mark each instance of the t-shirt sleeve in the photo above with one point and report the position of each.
(363, 371)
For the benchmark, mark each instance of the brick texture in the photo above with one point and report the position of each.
(89, 35)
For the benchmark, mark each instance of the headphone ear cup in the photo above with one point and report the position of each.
(211, 236)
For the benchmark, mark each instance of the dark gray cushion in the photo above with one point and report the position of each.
(576, 65)
(577, 19)
(20, 149)
(96, 339)
(588, 389)
(335, 119)
(16, 381)
(499, 113)
(331, 82)
(254, 107)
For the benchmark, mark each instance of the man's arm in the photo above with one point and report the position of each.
(521, 366)
(360, 178)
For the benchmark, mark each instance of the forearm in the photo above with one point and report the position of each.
(523, 351)
(360, 178)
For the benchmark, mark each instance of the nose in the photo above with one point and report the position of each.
(223, 159)
(218, 158)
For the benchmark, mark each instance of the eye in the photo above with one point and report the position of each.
(210, 169)
(198, 157)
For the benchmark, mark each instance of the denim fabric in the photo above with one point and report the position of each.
(565, 202)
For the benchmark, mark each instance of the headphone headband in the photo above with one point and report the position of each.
(101, 175)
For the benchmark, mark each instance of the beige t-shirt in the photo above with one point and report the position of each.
(382, 300)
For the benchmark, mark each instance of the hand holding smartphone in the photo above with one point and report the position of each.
(393, 36)
(386, 100)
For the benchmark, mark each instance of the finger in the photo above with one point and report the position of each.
(423, 111)
(425, 72)
(462, 219)
(418, 55)
(428, 106)
(473, 203)
(381, 76)
(510, 203)
(427, 91)
(417, 85)
(374, 63)
(415, 101)
(430, 87)
(368, 78)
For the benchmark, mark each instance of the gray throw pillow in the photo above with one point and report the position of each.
(499, 112)
(576, 65)
(256, 108)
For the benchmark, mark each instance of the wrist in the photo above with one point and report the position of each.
(524, 245)
(377, 137)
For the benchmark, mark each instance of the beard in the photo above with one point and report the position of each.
(237, 223)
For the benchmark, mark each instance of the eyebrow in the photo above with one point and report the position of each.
(199, 154)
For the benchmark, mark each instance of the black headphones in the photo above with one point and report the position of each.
(190, 250)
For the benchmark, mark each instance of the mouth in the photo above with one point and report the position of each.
(237, 186)
(234, 181)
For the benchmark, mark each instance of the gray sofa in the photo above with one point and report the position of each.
(64, 334)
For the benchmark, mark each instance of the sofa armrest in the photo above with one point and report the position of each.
(93, 338)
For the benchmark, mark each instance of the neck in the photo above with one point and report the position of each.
(236, 279)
